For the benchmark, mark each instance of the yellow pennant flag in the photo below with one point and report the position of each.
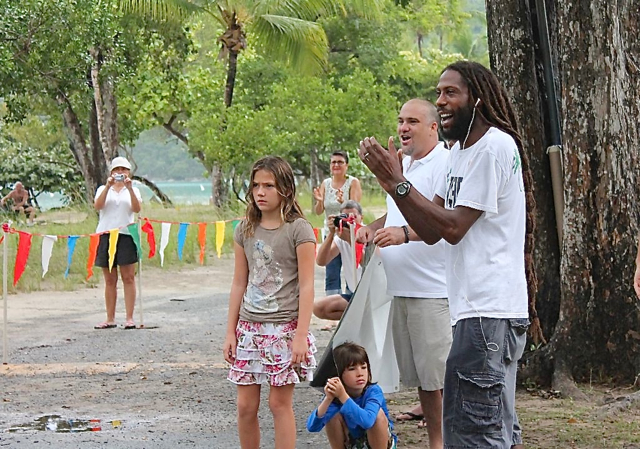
(113, 241)
(219, 237)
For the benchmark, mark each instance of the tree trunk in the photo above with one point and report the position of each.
(596, 321)
(600, 110)
(162, 197)
(99, 166)
(110, 117)
(231, 78)
(103, 132)
(78, 145)
(218, 192)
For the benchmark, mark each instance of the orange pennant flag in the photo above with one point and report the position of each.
(94, 240)
(202, 239)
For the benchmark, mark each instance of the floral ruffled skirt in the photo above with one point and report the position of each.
(263, 355)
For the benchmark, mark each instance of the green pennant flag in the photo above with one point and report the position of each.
(135, 234)
(235, 224)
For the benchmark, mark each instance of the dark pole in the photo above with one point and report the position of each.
(549, 76)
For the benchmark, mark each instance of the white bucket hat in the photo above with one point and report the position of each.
(120, 162)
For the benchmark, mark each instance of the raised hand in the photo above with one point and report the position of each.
(317, 195)
(384, 164)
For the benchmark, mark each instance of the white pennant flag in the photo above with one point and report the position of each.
(164, 240)
(47, 248)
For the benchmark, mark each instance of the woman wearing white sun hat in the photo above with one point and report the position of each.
(118, 202)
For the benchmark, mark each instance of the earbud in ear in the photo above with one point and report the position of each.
(477, 103)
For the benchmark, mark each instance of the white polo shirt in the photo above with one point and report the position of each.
(116, 212)
(415, 269)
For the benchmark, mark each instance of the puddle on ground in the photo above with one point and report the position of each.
(56, 423)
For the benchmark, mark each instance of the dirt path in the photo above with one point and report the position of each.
(164, 386)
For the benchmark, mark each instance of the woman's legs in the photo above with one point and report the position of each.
(128, 275)
(332, 283)
(281, 406)
(330, 307)
(110, 292)
(248, 426)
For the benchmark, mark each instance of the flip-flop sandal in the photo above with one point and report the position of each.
(422, 424)
(412, 417)
(105, 325)
(129, 325)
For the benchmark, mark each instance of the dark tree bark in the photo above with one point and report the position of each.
(594, 327)
(527, 96)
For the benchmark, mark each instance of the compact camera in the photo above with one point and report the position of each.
(341, 218)
(118, 177)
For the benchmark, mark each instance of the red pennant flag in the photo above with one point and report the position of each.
(147, 228)
(202, 239)
(94, 240)
(24, 246)
(316, 232)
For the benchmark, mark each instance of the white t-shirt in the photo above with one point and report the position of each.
(348, 263)
(415, 269)
(116, 212)
(485, 270)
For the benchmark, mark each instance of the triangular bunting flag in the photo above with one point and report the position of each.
(164, 240)
(47, 249)
(202, 239)
(24, 246)
(182, 237)
(71, 247)
(113, 245)
(147, 228)
(94, 241)
(135, 235)
(220, 225)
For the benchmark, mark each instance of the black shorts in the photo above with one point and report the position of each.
(126, 251)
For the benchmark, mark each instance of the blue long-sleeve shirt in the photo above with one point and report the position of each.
(359, 414)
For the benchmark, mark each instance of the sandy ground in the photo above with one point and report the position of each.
(164, 385)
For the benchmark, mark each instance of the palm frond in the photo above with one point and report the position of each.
(301, 42)
(160, 9)
(368, 9)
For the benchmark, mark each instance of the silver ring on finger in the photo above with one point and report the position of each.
(366, 155)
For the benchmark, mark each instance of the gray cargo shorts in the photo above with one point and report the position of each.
(480, 384)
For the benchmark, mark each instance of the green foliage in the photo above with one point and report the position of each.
(35, 152)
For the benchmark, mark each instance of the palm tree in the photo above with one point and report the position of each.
(284, 29)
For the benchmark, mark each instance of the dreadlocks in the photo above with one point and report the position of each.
(497, 110)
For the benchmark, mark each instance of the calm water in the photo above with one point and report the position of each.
(180, 192)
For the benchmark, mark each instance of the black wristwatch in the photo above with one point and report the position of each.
(403, 189)
(405, 228)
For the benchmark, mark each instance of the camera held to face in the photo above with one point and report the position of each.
(119, 177)
(341, 218)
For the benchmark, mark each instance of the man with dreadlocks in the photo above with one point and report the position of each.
(481, 209)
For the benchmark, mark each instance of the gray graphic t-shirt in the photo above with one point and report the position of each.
(272, 290)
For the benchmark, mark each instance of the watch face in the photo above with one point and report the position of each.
(402, 189)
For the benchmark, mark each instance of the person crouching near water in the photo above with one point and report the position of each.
(353, 410)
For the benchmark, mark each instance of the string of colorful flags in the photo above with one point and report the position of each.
(133, 229)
